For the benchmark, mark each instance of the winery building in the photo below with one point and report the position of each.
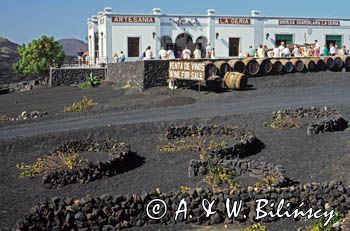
(110, 32)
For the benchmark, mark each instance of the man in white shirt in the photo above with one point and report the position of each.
(148, 53)
(261, 52)
(281, 47)
(162, 54)
(286, 52)
(332, 50)
(186, 53)
(197, 53)
(208, 51)
(122, 57)
(276, 52)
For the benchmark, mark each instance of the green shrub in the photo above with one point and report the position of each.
(90, 81)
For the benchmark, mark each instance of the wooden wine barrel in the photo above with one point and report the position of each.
(223, 67)
(210, 69)
(310, 65)
(252, 66)
(214, 83)
(346, 60)
(237, 65)
(288, 65)
(338, 61)
(299, 65)
(329, 61)
(277, 66)
(235, 80)
(265, 66)
(321, 65)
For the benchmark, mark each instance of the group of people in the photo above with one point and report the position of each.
(295, 51)
(119, 58)
(185, 54)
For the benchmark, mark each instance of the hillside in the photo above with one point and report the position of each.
(8, 56)
(71, 46)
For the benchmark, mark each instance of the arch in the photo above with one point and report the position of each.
(201, 43)
(166, 42)
(182, 41)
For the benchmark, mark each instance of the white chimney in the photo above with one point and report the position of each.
(211, 12)
(156, 11)
(107, 10)
(255, 13)
(100, 13)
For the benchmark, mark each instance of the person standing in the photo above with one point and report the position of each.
(286, 52)
(80, 57)
(261, 52)
(162, 54)
(343, 51)
(282, 46)
(148, 53)
(332, 49)
(251, 52)
(122, 57)
(276, 52)
(208, 51)
(317, 49)
(295, 51)
(170, 54)
(186, 54)
(325, 50)
(197, 53)
(212, 56)
(115, 58)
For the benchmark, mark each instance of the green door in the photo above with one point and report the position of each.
(287, 38)
(335, 39)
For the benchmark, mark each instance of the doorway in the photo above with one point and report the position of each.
(335, 39)
(286, 38)
(233, 46)
(202, 43)
(183, 41)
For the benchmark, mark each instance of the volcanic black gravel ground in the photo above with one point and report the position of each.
(317, 158)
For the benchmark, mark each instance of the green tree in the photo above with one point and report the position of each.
(39, 56)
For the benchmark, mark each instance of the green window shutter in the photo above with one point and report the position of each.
(288, 38)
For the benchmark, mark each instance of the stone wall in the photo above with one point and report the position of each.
(18, 86)
(73, 75)
(142, 75)
(122, 74)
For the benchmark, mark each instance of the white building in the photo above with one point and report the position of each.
(110, 33)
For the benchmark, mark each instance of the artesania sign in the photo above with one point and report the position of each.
(187, 70)
(244, 21)
(133, 19)
(308, 22)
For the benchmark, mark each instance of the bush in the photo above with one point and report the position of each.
(319, 225)
(91, 81)
(282, 122)
(256, 227)
(39, 56)
(50, 163)
(80, 106)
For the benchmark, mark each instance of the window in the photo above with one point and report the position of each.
(287, 38)
(233, 47)
(133, 47)
(335, 39)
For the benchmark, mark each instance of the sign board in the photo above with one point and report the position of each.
(187, 70)
(308, 22)
(241, 21)
(133, 19)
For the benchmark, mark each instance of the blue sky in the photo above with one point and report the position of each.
(24, 20)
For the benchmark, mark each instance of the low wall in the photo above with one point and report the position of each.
(73, 75)
(18, 86)
(143, 75)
